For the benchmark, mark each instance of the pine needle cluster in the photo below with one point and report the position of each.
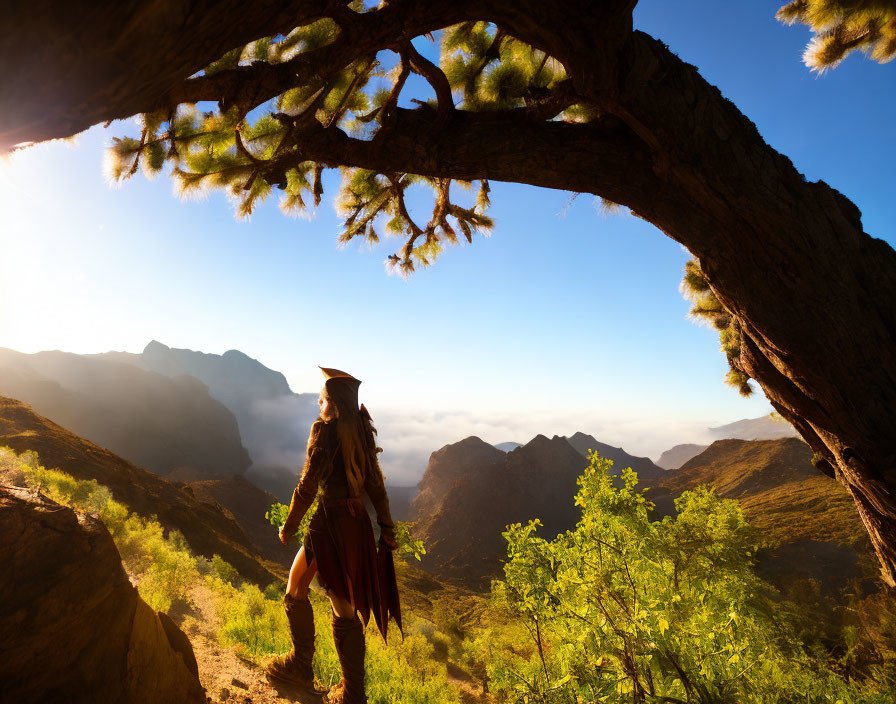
(707, 307)
(840, 26)
(489, 69)
(251, 143)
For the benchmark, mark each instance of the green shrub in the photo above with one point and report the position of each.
(224, 570)
(623, 609)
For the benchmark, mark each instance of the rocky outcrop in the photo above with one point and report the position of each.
(207, 529)
(157, 422)
(471, 491)
(446, 466)
(72, 627)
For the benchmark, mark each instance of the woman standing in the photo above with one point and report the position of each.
(339, 545)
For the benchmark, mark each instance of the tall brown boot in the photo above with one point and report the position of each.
(348, 634)
(295, 667)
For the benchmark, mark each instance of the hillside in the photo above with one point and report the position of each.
(782, 494)
(806, 517)
(471, 491)
(160, 423)
(676, 456)
(207, 528)
(247, 504)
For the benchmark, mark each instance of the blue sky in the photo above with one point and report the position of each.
(563, 320)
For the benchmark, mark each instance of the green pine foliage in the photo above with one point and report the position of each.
(248, 149)
(625, 609)
(707, 308)
(842, 26)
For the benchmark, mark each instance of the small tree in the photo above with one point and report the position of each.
(622, 609)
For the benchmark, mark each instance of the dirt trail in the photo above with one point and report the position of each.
(230, 679)
(227, 678)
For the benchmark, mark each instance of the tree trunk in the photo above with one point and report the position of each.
(814, 296)
(80, 62)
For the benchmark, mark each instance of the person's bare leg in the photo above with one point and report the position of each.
(300, 576)
(342, 607)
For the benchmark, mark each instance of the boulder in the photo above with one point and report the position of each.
(72, 627)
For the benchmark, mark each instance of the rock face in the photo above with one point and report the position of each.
(207, 529)
(159, 423)
(72, 628)
(676, 456)
(446, 466)
(471, 491)
(646, 469)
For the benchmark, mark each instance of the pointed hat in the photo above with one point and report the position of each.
(330, 373)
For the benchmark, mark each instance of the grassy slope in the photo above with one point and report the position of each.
(207, 529)
(781, 493)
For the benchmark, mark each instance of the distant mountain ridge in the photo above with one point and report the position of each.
(274, 422)
(645, 468)
(471, 490)
(676, 456)
(160, 423)
(770, 427)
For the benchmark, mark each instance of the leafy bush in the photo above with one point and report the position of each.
(249, 620)
(622, 609)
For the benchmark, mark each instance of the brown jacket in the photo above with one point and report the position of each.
(324, 462)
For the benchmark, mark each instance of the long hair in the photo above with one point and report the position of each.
(356, 434)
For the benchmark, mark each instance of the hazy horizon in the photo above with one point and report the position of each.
(409, 434)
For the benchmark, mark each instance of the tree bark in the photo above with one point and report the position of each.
(814, 296)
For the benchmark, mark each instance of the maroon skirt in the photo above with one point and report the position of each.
(340, 538)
